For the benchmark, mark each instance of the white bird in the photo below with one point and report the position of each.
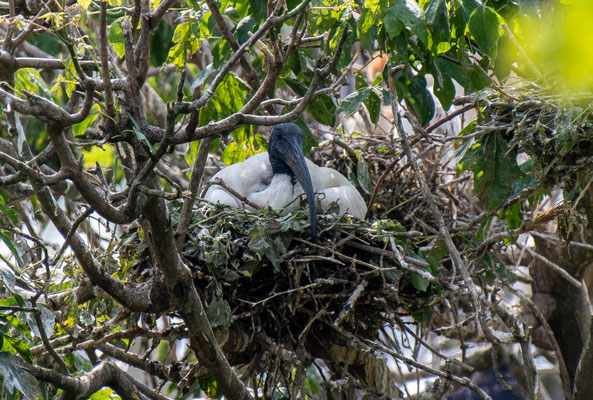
(281, 175)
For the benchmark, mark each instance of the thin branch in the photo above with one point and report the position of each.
(61, 364)
(234, 193)
(221, 24)
(104, 63)
(267, 25)
(438, 215)
(194, 189)
(555, 267)
(71, 232)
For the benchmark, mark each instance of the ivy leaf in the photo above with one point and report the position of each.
(16, 377)
(483, 25)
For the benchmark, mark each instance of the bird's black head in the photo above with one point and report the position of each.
(286, 157)
(286, 139)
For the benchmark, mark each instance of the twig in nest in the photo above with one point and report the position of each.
(350, 303)
(403, 326)
(243, 199)
(449, 117)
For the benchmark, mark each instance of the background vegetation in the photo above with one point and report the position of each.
(117, 280)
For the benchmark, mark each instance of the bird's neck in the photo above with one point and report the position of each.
(279, 167)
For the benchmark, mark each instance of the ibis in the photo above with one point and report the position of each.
(278, 177)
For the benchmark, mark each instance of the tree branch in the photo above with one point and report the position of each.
(186, 300)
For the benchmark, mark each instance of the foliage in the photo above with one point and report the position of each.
(110, 110)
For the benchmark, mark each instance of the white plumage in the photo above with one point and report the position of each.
(254, 179)
(275, 178)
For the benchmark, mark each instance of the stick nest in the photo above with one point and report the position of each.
(555, 131)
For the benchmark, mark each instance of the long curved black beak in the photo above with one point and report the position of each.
(295, 159)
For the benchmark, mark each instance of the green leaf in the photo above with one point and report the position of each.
(483, 25)
(18, 325)
(259, 9)
(467, 7)
(497, 177)
(412, 16)
(313, 380)
(351, 103)
(233, 153)
(437, 16)
(373, 104)
(419, 283)
(367, 29)
(48, 320)
(14, 345)
(243, 28)
(452, 70)
(16, 377)
(115, 36)
(420, 99)
(308, 138)
(363, 176)
(84, 4)
(443, 88)
(138, 132)
(322, 109)
(202, 76)
(219, 313)
(80, 128)
(160, 43)
(30, 79)
(13, 249)
(10, 212)
(393, 26)
(104, 394)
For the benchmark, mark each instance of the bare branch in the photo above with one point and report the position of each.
(104, 63)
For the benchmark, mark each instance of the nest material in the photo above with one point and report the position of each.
(261, 276)
(555, 131)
